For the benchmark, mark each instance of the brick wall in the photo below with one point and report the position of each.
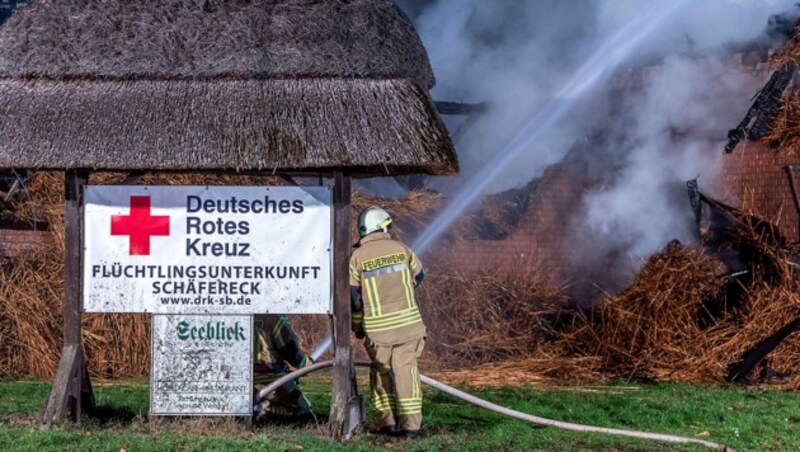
(16, 242)
(537, 241)
(755, 176)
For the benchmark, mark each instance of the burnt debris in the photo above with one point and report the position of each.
(756, 123)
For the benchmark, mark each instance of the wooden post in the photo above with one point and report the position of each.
(343, 371)
(792, 169)
(72, 389)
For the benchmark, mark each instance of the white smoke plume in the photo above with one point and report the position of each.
(515, 54)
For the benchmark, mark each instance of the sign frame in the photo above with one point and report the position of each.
(95, 255)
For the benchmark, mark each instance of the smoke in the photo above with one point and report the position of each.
(670, 128)
(513, 54)
(672, 132)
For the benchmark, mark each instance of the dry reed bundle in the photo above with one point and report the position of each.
(651, 330)
(785, 128)
(790, 52)
(680, 320)
(770, 301)
(410, 213)
(489, 318)
(548, 364)
(32, 297)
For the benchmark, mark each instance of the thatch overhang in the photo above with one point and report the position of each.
(279, 85)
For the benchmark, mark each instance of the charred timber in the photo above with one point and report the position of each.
(756, 123)
(755, 355)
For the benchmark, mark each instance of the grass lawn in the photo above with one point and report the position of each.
(741, 418)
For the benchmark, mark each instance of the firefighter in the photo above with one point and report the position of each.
(276, 349)
(383, 275)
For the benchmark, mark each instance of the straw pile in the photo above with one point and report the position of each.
(652, 329)
(770, 301)
(684, 319)
(483, 318)
(31, 301)
(785, 130)
(785, 126)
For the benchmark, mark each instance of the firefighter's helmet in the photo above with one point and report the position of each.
(373, 219)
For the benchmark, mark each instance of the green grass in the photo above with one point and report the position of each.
(741, 418)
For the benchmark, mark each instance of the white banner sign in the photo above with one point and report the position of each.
(202, 365)
(217, 250)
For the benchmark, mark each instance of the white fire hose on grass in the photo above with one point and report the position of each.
(266, 390)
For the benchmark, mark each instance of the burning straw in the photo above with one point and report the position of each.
(653, 330)
(684, 318)
(483, 318)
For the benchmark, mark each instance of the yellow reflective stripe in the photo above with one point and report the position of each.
(405, 287)
(414, 263)
(279, 325)
(406, 276)
(380, 395)
(415, 383)
(410, 409)
(354, 273)
(370, 297)
(262, 346)
(393, 317)
(382, 402)
(393, 326)
(411, 289)
(382, 406)
(378, 323)
(377, 308)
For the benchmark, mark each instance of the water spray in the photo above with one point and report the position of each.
(321, 349)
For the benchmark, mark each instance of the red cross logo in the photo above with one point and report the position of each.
(139, 226)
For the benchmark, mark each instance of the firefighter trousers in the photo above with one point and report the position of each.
(394, 383)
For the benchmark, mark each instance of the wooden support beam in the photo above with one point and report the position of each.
(343, 390)
(755, 355)
(72, 389)
(792, 170)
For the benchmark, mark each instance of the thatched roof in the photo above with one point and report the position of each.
(193, 84)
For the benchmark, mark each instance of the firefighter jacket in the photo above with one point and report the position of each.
(385, 270)
(276, 345)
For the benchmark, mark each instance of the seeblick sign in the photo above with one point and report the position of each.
(201, 365)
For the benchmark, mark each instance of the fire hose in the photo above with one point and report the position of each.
(266, 390)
